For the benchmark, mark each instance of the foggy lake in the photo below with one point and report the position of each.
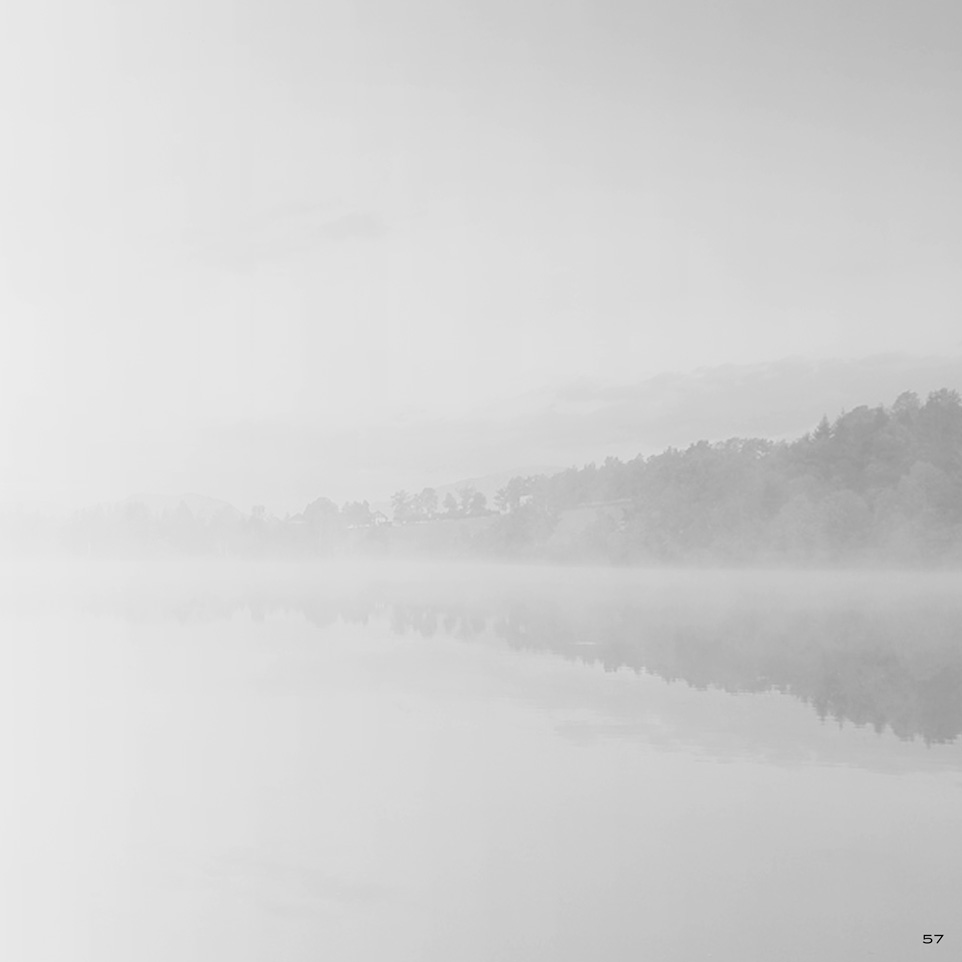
(465, 762)
(481, 481)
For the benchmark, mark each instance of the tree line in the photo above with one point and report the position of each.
(425, 505)
(894, 665)
(876, 484)
(882, 483)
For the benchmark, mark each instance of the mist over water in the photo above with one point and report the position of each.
(480, 481)
(421, 761)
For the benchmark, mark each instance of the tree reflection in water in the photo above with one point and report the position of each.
(890, 666)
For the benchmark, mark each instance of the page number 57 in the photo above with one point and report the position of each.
(931, 938)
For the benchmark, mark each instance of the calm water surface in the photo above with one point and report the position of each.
(287, 763)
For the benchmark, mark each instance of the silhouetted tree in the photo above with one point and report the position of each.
(426, 504)
(465, 496)
(403, 506)
(357, 514)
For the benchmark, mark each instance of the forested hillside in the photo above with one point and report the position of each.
(876, 485)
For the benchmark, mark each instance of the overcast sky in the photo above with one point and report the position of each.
(332, 214)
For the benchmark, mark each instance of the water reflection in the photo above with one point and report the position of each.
(455, 763)
(879, 652)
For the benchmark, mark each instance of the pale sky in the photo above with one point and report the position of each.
(332, 214)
